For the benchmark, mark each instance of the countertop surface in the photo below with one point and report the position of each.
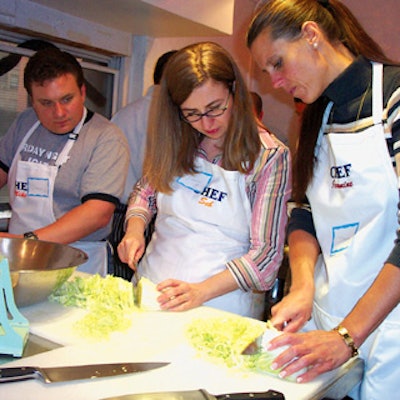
(153, 336)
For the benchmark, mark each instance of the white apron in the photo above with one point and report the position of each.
(353, 197)
(31, 189)
(202, 225)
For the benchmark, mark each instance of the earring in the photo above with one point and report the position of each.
(315, 45)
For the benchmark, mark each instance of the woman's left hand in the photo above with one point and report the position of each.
(316, 351)
(179, 296)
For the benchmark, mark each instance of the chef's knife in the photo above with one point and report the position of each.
(201, 395)
(71, 373)
(260, 344)
(254, 347)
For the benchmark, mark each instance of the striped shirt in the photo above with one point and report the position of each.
(268, 189)
(351, 94)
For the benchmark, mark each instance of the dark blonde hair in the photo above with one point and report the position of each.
(284, 20)
(172, 142)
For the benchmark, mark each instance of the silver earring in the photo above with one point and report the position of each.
(315, 45)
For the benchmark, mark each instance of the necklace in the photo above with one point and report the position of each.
(360, 107)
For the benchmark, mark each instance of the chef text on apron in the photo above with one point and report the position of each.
(353, 197)
(202, 225)
(31, 189)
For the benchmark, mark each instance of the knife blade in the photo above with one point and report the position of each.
(260, 343)
(200, 394)
(254, 347)
(75, 372)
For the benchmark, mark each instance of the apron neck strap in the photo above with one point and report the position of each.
(63, 157)
(377, 90)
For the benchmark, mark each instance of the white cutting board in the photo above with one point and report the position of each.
(54, 322)
(154, 336)
(57, 323)
(186, 372)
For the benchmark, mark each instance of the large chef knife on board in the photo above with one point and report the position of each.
(76, 372)
(201, 394)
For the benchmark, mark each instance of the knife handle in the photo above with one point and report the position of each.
(270, 395)
(17, 374)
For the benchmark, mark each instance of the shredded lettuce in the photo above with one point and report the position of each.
(109, 301)
(222, 340)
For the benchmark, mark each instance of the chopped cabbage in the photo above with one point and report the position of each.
(222, 340)
(109, 302)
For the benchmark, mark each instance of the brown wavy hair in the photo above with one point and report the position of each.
(172, 143)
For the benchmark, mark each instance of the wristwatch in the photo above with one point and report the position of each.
(344, 333)
(31, 235)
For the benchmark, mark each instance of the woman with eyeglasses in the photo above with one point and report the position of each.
(218, 185)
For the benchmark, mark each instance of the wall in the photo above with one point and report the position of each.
(48, 22)
(205, 12)
(235, 43)
(381, 21)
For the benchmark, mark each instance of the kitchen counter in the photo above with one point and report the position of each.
(153, 336)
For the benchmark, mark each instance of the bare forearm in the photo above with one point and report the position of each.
(295, 309)
(78, 223)
(135, 225)
(375, 305)
(303, 255)
(180, 296)
(3, 178)
(219, 284)
(132, 245)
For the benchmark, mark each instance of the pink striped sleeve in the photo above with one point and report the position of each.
(268, 187)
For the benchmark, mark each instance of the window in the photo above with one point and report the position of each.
(13, 98)
(101, 82)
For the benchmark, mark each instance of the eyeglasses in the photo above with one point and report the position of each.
(194, 116)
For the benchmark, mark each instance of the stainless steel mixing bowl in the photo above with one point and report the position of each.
(38, 267)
